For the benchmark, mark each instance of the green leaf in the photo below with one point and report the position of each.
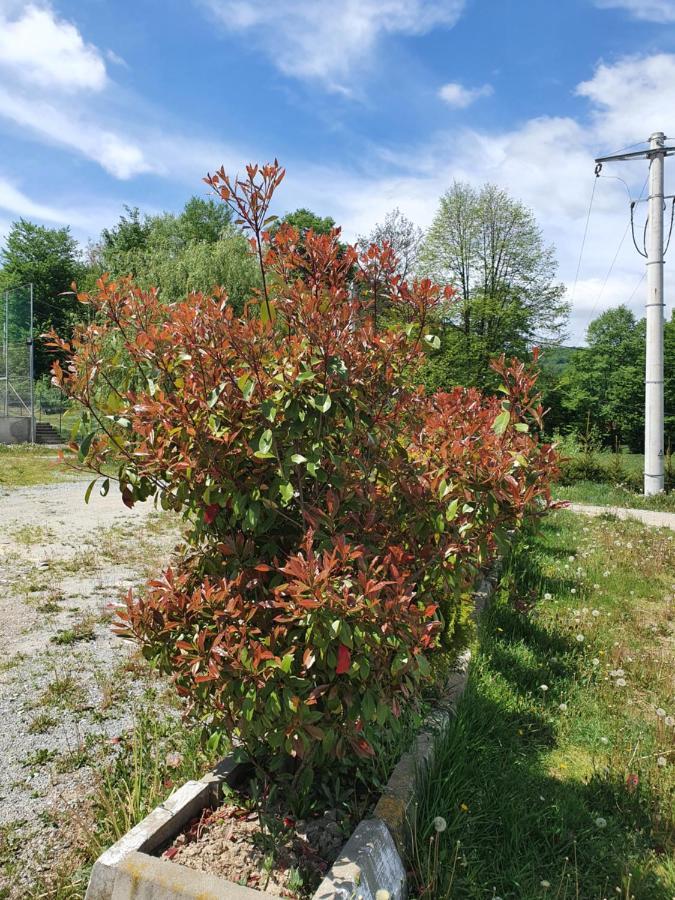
(105, 487)
(286, 491)
(298, 458)
(245, 385)
(85, 445)
(213, 742)
(322, 402)
(501, 422)
(307, 375)
(522, 426)
(269, 410)
(433, 340)
(451, 511)
(265, 441)
(90, 488)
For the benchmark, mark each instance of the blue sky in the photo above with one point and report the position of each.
(370, 104)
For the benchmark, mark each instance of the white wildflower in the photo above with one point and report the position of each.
(661, 761)
(620, 682)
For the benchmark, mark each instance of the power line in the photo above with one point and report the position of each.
(597, 300)
(583, 240)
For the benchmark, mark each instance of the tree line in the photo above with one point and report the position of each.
(482, 241)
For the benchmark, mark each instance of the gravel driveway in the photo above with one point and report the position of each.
(66, 683)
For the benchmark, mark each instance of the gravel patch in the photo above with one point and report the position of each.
(68, 686)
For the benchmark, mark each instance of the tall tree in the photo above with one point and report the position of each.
(490, 248)
(403, 236)
(604, 384)
(49, 259)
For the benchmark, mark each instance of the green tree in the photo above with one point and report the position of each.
(304, 219)
(490, 248)
(48, 258)
(191, 251)
(604, 384)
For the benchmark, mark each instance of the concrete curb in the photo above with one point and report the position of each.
(370, 861)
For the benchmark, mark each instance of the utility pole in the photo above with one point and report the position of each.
(654, 461)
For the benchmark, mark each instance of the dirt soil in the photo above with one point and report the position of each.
(67, 684)
(281, 856)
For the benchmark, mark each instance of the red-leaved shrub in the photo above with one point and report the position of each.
(336, 514)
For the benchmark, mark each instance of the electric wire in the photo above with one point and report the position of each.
(618, 249)
(583, 240)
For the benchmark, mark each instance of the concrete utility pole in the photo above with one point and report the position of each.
(654, 461)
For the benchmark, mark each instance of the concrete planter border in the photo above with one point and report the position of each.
(370, 861)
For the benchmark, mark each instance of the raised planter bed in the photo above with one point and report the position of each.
(369, 862)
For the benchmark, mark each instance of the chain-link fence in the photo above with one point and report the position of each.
(16, 355)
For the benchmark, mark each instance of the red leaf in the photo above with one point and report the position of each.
(344, 660)
(211, 512)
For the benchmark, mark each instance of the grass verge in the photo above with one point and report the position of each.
(556, 779)
(612, 495)
(23, 465)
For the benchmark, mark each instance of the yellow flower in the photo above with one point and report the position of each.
(464, 807)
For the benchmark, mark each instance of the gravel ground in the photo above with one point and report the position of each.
(67, 684)
(651, 517)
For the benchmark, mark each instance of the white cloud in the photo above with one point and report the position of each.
(324, 40)
(648, 10)
(61, 125)
(632, 98)
(459, 97)
(38, 48)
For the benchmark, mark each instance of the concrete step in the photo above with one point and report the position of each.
(46, 434)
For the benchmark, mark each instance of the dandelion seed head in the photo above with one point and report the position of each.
(543, 687)
(562, 707)
(580, 638)
(600, 822)
(661, 713)
(440, 824)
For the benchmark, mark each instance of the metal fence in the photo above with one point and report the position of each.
(16, 354)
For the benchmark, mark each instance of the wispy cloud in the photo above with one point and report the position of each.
(459, 97)
(647, 10)
(327, 41)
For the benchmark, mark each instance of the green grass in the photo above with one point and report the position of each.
(23, 465)
(612, 495)
(543, 801)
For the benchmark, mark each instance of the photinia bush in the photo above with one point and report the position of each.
(336, 514)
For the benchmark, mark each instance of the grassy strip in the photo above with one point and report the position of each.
(22, 465)
(556, 779)
(613, 495)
